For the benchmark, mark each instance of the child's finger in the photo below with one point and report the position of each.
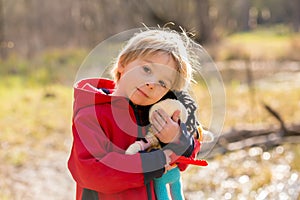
(176, 116)
(157, 126)
(163, 116)
(158, 119)
(157, 122)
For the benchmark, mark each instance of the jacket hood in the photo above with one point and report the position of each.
(88, 92)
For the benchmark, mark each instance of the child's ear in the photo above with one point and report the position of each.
(121, 66)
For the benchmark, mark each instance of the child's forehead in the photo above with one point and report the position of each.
(163, 61)
(160, 58)
(164, 65)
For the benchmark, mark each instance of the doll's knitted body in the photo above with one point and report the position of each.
(172, 177)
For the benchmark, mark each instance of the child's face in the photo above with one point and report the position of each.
(146, 80)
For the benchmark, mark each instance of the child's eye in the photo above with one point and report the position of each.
(147, 69)
(163, 84)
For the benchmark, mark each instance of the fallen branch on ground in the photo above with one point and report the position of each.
(266, 138)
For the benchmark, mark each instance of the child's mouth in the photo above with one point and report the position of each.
(143, 93)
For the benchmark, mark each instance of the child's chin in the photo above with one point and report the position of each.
(140, 102)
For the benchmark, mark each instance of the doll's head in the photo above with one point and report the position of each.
(170, 106)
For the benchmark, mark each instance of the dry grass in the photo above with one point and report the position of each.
(33, 120)
(245, 104)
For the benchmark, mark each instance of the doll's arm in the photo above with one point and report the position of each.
(141, 145)
(136, 147)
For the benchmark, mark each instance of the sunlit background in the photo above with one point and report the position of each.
(255, 45)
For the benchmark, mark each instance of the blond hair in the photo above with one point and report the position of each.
(152, 41)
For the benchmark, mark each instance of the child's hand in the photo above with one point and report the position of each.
(166, 128)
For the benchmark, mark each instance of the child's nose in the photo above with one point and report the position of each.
(150, 85)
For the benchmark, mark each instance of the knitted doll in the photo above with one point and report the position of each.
(169, 106)
(172, 177)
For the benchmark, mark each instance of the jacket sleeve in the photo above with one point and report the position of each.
(96, 165)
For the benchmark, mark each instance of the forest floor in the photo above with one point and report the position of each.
(36, 139)
(244, 174)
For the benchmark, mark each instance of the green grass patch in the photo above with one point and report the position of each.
(55, 66)
(275, 43)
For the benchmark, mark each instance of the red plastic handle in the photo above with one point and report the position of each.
(184, 160)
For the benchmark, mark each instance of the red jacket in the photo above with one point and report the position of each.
(103, 127)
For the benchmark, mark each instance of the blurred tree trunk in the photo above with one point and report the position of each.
(296, 15)
(192, 16)
(3, 45)
(33, 27)
(204, 27)
(243, 15)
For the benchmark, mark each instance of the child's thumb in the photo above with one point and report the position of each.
(176, 116)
